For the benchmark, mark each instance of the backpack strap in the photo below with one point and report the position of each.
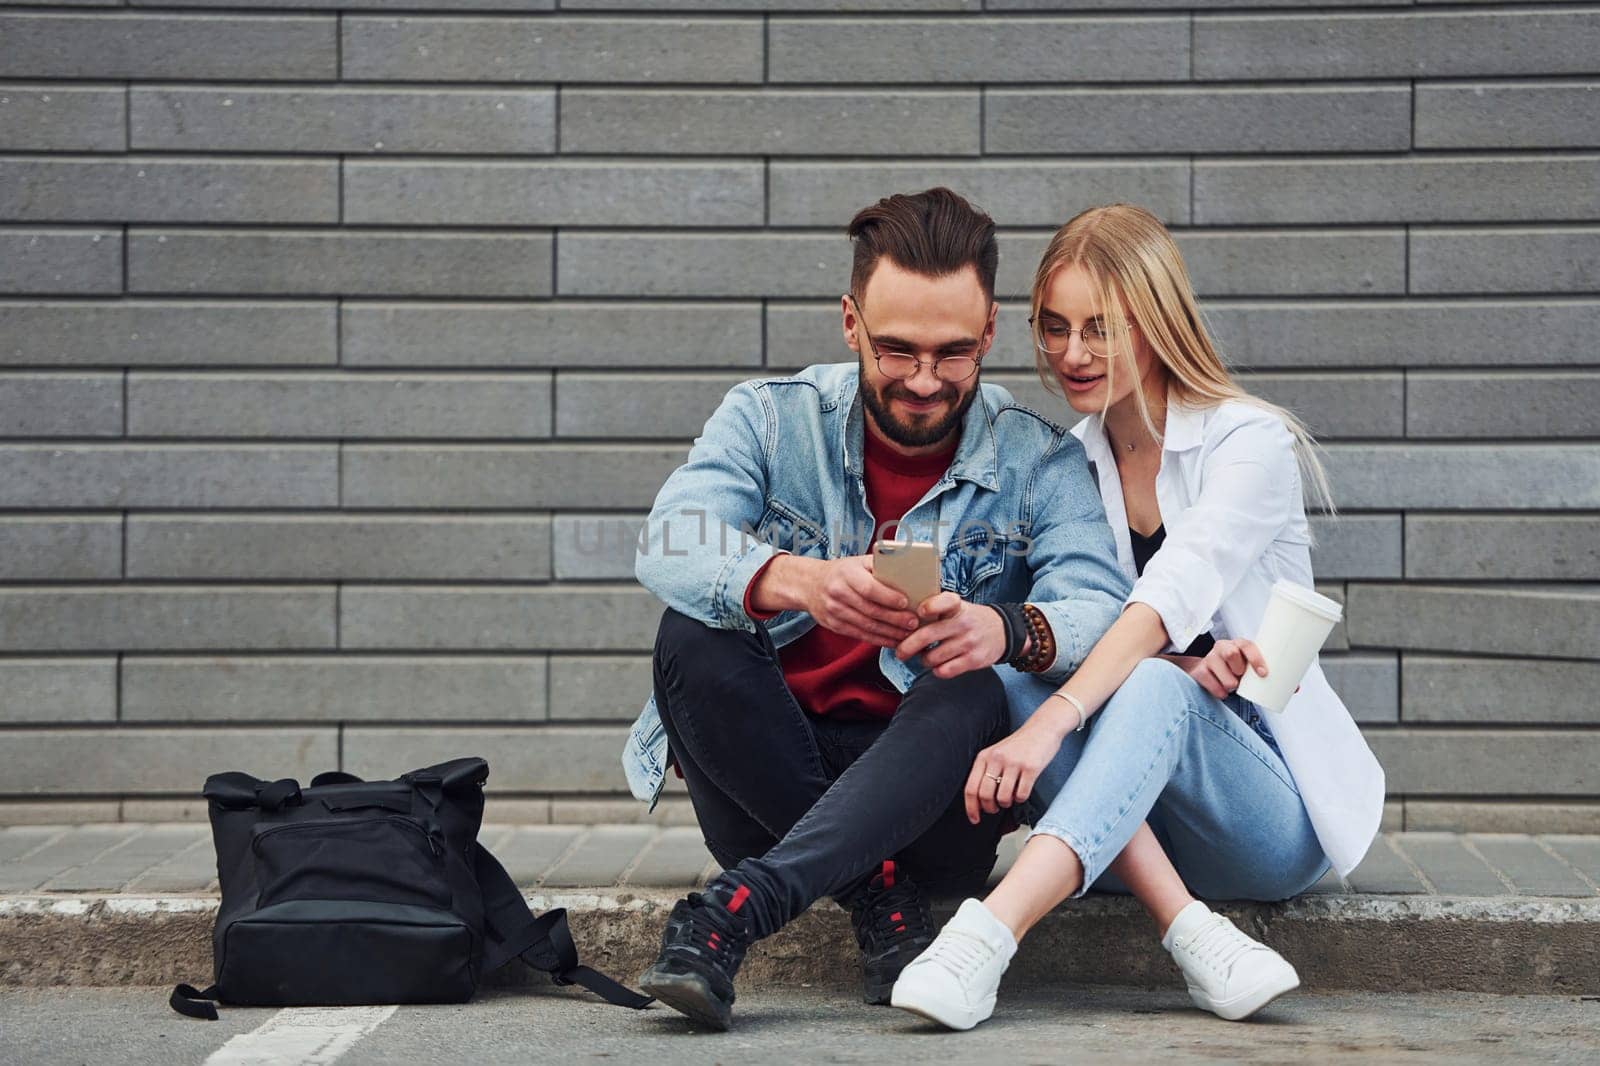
(187, 1001)
(280, 794)
(545, 943)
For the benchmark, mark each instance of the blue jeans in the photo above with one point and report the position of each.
(1204, 773)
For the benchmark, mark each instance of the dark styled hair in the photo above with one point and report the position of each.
(933, 233)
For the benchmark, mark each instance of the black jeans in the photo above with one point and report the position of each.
(797, 807)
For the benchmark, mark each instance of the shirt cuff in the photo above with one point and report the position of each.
(1180, 623)
(760, 616)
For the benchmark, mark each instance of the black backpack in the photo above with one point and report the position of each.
(351, 891)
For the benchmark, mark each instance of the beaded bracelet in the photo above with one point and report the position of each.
(1043, 652)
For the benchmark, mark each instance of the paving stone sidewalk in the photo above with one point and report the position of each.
(129, 904)
(174, 859)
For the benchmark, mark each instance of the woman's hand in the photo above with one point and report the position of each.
(1222, 668)
(1003, 774)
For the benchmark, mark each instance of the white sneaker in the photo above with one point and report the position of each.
(1228, 974)
(955, 980)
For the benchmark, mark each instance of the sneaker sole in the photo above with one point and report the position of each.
(1243, 1006)
(877, 994)
(688, 995)
(877, 984)
(951, 1017)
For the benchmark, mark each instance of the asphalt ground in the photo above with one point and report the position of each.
(1035, 1024)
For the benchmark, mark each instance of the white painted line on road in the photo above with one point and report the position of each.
(301, 1036)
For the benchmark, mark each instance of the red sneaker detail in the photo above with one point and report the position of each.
(895, 917)
(737, 901)
(888, 873)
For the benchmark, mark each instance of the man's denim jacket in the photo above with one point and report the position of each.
(778, 467)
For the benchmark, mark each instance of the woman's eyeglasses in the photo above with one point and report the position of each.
(1052, 336)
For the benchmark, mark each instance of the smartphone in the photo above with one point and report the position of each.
(910, 566)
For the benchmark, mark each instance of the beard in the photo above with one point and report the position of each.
(919, 431)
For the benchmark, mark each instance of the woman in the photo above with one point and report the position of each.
(1156, 763)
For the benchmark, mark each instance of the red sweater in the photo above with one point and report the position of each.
(838, 675)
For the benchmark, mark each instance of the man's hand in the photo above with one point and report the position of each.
(969, 636)
(841, 594)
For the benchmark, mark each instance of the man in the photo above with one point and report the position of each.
(823, 725)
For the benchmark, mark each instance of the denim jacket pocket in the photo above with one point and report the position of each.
(973, 555)
(644, 756)
(784, 526)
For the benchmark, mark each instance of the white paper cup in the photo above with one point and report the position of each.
(1296, 623)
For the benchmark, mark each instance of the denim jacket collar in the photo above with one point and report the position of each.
(975, 454)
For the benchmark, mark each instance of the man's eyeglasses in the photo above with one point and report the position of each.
(1052, 336)
(903, 365)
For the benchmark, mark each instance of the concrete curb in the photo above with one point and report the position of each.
(1346, 942)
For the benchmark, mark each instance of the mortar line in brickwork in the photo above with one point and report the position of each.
(117, 680)
(766, 47)
(338, 45)
(1400, 718)
(1413, 138)
(1405, 402)
(556, 120)
(1404, 533)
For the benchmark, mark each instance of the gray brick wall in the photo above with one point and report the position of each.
(344, 343)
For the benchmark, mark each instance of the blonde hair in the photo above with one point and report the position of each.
(1137, 273)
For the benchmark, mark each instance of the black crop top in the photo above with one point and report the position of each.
(1144, 549)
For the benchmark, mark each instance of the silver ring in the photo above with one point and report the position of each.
(993, 777)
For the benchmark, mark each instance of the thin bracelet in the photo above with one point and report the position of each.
(1077, 705)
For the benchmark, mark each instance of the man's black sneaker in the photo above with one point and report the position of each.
(892, 926)
(704, 943)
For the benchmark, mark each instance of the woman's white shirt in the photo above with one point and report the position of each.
(1230, 498)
